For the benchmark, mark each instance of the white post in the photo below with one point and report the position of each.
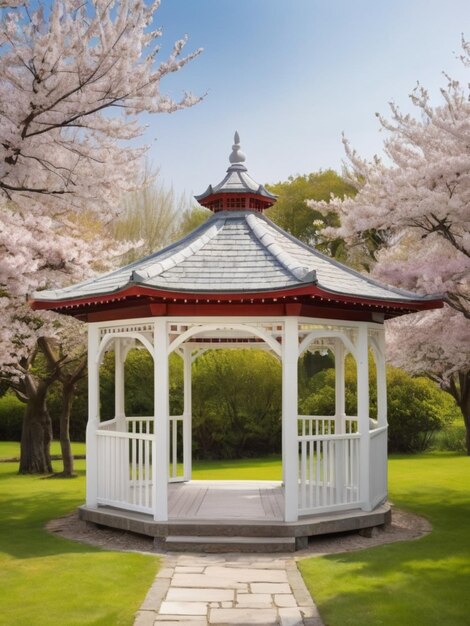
(340, 414)
(93, 417)
(187, 413)
(340, 399)
(363, 415)
(381, 381)
(290, 354)
(119, 410)
(161, 429)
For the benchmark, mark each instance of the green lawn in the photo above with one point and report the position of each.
(49, 581)
(267, 468)
(421, 583)
(11, 449)
(46, 580)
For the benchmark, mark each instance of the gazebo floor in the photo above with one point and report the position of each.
(232, 516)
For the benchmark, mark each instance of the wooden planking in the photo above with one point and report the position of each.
(233, 500)
(273, 503)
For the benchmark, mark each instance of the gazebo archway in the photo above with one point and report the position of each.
(321, 455)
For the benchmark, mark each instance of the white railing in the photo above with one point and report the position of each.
(108, 424)
(140, 425)
(326, 425)
(316, 425)
(125, 469)
(125, 460)
(350, 424)
(176, 449)
(328, 466)
(378, 466)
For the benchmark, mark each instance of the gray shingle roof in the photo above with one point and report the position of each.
(234, 252)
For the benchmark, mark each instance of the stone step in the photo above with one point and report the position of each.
(222, 528)
(182, 543)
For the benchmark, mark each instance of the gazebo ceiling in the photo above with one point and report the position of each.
(236, 263)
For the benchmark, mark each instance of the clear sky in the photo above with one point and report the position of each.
(291, 76)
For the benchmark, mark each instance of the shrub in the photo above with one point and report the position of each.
(417, 408)
(11, 417)
(451, 438)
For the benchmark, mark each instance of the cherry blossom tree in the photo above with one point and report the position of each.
(74, 78)
(411, 215)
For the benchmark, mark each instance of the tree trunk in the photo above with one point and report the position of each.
(465, 405)
(461, 392)
(64, 435)
(36, 433)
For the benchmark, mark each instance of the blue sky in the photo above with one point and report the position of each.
(291, 76)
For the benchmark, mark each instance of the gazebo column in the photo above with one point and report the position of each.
(362, 361)
(161, 430)
(187, 412)
(290, 353)
(381, 381)
(119, 360)
(93, 417)
(340, 415)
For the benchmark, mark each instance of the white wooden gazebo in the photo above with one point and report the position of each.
(237, 281)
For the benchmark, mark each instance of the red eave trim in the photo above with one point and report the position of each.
(249, 297)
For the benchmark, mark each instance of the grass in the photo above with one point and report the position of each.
(267, 468)
(11, 449)
(46, 580)
(425, 582)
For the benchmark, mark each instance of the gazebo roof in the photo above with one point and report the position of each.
(234, 252)
(237, 257)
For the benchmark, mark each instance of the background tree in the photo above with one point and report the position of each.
(291, 212)
(191, 218)
(416, 212)
(152, 216)
(74, 77)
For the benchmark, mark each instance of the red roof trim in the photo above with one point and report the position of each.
(192, 298)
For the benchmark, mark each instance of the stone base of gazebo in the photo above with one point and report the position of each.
(233, 516)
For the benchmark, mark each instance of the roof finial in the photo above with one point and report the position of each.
(237, 155)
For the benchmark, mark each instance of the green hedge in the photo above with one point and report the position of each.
(11, 417)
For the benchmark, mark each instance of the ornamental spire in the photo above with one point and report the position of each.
(237, 191)
(237, 156)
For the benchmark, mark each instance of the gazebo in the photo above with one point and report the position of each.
(237, 281)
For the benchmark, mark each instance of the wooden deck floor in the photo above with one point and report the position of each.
(226, 499)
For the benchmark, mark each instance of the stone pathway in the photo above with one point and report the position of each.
(222, 590)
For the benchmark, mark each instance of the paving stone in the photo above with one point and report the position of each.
(144, 618)
(156, 594)
(270, 588)
(185, 594)
(274, 564)
(202, 580)
(309, 611)
(238, 590)
(187, 569)
(285, 600)
(266, 617)
(290, 617)
(187, 620)
(183, 608)
(248, 575)
(297, 583)
(254, 600)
